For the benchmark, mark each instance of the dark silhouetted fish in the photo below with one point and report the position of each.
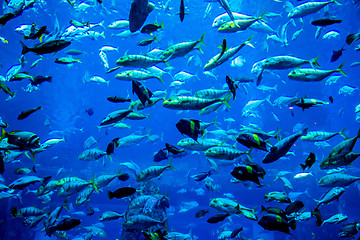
(143, 93)
(201, 213)
(232, 85)
(46, 47)
(90, 111)
(138, 13)
(40, 79)
(189, 127)
(325, 22)
(116, 99)
(160, 155)
(121, 192)
(310, 160)
(218, 217)
(64, 225)
(294, 207)
(25, 114)
(182, 10)
(336, 54)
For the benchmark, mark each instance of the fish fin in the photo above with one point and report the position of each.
(110, 195)
(32, 155)
(351, 38)
(65, 204)
(341, 133)
(261, 17)
(292, 224)
(171, 166)
(314, 62)
(25, 49)
(303, 166)
(3, 134)
(340, 69)
(201, 40)
(337, 3)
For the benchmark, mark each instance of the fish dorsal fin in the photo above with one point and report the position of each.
(224, 48)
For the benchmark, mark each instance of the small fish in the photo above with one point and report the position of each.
(317, 214)
(151, 27)
(117, 99)
(336, 54)
(325, 22)
(182, 10)
(331, 34)
(121, 192)
(25, 114)
(310, 160)
(147, 41)
(201, 176)
(218, 217)
(89, 111)
(201, 213)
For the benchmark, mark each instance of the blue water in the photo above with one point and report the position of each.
(66, 98)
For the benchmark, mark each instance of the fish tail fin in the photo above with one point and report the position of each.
(247, 42)
(93, 183)
(171, 166)
(314, 62)
(165, 222)
(3, 134)
(25, 49)
(303, 166)
(33, 169)
(263, 209)
(162, 25)
(101, 24)
(65, 204)
(214, 122)
(160, 78)
(201, 40)
(18, 196)
(340, 69)
(341, 133)
(261, 17)
(41, 38)
(276, 178)
(14, 211)
(110, 195)
(32, 155)
(336, 2)
(275, 88)
(292, 224)
(268, 100)
(351, 38)
(226, 100)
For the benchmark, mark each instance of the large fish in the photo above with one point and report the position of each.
(138, 13)
(282, 147)
(46, 47)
